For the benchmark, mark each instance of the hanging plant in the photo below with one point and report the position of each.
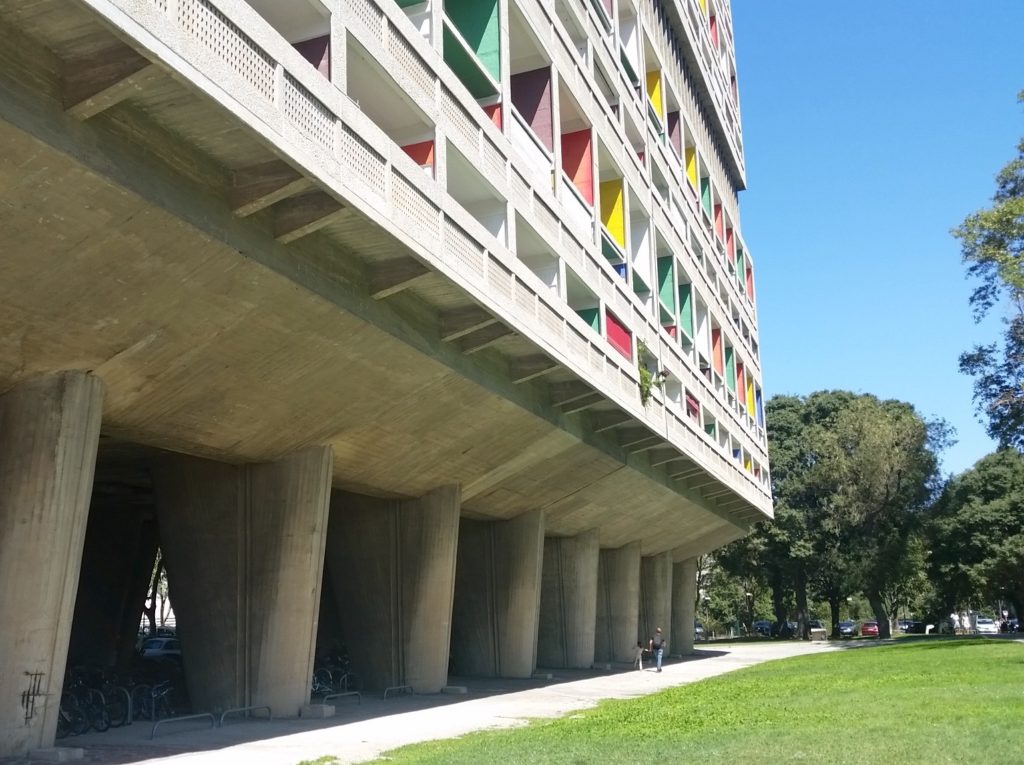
(648, 379)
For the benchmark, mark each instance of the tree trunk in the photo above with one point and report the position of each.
(779, 605)
(875, 600)
(833, 607)
(803, 628)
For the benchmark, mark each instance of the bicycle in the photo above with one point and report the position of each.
(71, 720)
(152, 702)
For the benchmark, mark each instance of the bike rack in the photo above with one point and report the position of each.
(396, 688)
(238, 710)
(201, 716)
(331, 697)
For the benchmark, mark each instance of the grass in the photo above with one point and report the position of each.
(934, 701)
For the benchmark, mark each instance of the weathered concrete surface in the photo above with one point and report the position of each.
(618, 604)
(244, 549)
(568, 604)
(656, 596)
(361, 733)
(497, 596)
(684, 604)
(392, 569)
(49, 431)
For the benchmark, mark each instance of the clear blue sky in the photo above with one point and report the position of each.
(870, 130)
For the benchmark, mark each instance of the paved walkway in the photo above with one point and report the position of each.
(362, 732)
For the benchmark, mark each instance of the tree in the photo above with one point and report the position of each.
(992, 246)
(976, 531)
(878, 470)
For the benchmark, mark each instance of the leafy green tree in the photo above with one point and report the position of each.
(878, 470)
(992, 246)
(976, 531)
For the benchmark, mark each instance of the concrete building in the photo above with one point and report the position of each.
(425, 328)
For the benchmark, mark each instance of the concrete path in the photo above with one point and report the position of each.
(362, 732)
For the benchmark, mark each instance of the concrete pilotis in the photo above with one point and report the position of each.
(618, 604)
(684, 603)
(497, 596)
(49, 432)
(568, 603)
(656, 596)
(244, 548)
(391, 566)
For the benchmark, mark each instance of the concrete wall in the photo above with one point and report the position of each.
(392, 569)
(497, 596)
(618, 604)
(244, 552)
(568, 604)
(49, 431)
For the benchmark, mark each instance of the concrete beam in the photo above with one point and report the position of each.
(568, 602)
(484, 338)
(563, 393)
(659, 457)
(684, 602)
(618, 604)
(49, 433)
(389, 277)
(93, 84)
(257, 187)
(462, 321)
(244, 548)
(296, 217)
(602, 421)
(530, 367)
(630, 438)
(582, 404)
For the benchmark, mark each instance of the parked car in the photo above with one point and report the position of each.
(763, 627)
(869, 629)
(986, 626)
(848, 629)
(162, 648)
(818, 631)
(698, 631)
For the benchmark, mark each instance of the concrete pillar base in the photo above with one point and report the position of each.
(568, 602)
(244, 547)
(497, 596)
(684, 600)
(391, 565)
(656, 597)
(49, 434)
(618, 604)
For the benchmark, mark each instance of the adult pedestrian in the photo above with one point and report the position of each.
(657, 646)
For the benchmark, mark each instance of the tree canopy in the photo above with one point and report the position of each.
(992, 246)
(976, 530)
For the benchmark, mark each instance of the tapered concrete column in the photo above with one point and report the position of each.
(684, 603)
(391, 565)
(497, 596)
(656, 596)
(428, 534)
(618, 604)
(244, 548)
(568, 602)
(49, 432)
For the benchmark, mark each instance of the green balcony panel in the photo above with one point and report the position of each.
(705, 194)
(591, 316)
(666, 284)
(477, 22)
(730, 368)
(686, 308)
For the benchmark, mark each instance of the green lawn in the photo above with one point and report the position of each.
(930, 701)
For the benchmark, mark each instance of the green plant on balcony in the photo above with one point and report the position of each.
(649, 380)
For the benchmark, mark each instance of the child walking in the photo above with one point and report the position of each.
(638, 656)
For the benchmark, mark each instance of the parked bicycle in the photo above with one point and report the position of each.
(153, 702)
